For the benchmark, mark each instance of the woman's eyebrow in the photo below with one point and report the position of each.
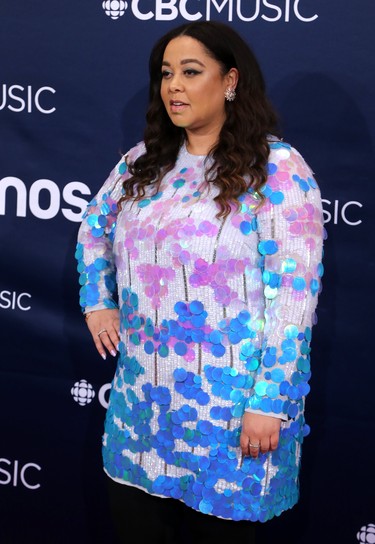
(184, 61)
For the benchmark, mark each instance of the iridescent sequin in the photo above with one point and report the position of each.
(215, 319)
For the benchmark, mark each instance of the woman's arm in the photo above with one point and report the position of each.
(291, 232)
(96, 264)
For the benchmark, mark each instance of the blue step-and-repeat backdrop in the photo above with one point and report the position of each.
(73, 90)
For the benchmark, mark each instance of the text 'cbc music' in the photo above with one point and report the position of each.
(194, 10)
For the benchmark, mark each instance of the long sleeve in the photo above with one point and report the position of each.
(291, 233)
(94, 253)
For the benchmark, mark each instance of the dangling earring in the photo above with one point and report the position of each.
(230, 94)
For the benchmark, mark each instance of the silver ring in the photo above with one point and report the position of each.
(254, 445)
(101, 331)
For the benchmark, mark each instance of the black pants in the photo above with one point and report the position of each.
(154, 520)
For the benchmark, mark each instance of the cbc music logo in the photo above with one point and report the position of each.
(83, 393)
(11, 300)
(17, 98)
(15, 473)
(242, 10)
(366, 534)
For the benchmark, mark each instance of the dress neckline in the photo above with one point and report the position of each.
(185, 151)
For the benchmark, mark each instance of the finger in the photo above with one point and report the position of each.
(265, 445)
(115, 336)
(244, 443)
(99, 346)
(110, 341)
(274, 442)
(254, 448)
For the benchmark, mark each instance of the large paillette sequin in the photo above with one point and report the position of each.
(216, 318)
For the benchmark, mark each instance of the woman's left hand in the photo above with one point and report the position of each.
(260, 433)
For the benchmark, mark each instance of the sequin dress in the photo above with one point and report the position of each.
(215, 319)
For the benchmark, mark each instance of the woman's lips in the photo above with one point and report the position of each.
(177, 106)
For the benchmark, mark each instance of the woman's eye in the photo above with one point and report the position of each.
(165, 74)
(191, 72)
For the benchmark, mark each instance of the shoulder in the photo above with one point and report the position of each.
(286, 164)
(135, 152)
(129, 157)
(290, 184)
(113, 187)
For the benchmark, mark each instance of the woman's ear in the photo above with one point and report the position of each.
(232, 78)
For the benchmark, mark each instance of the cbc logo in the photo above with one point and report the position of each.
(342, 211)
(243, 10)
(114, 8)
(11, 300)
(18, 98)
(14, 473)
(83, 393)
(367, 534)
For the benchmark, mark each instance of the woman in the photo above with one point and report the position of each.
(200, 263)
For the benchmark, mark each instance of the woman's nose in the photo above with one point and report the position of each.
(175, 84)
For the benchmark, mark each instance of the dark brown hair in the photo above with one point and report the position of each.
(239, 158)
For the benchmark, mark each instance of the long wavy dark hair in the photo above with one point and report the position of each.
(239, 158)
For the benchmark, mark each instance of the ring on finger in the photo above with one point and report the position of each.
(257, 446)
(101, 331)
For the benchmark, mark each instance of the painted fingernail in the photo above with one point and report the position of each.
(118, 347)
(113, 353)
(103, 355)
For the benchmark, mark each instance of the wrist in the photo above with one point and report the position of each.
(87, 315)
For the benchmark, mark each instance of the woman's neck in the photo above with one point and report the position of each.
(200, 144)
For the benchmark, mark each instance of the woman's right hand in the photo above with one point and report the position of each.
(104, 326)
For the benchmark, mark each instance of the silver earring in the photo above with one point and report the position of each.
(230, 94)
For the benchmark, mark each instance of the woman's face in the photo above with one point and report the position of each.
(192, 87)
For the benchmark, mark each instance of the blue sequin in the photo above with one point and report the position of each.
(218, 350)
(122, 168)
(179, 183)
(149, 347)
(180, 348)
(267, 247)
(272, 168)
(299, 284)
(277, 197)
(245, 227)
(144, 202)
(157, 196)
(196, 307)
